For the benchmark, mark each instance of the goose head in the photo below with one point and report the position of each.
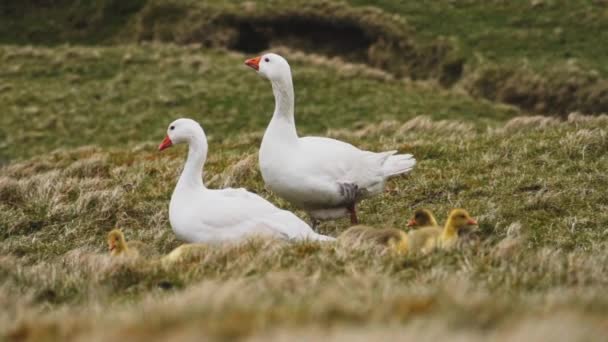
(270, 66)
(182, 131)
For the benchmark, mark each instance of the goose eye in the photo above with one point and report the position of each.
(266, 59)
(172, 127)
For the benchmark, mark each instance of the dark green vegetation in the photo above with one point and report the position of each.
(80, 123)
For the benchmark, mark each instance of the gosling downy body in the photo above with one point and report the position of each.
(185, 252)
(199, 214)
(323, 176)
(389, 237)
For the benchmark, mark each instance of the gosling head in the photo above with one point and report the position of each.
(271, 66)
(422, 218)
(116, 242)
(459, 219)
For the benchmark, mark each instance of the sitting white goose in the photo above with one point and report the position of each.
(198, 214)
(323, 176)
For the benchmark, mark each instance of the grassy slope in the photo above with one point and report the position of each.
(514, 32)
(69, 96)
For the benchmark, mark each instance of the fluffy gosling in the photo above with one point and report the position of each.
(427, 239)
(423, 240)
(118, 246)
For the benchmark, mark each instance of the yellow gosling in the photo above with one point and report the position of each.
(427, 239)
(118, 246)
(422, 240)
(186, 252)
(422, 218)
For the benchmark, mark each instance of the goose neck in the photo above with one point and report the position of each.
(449, 231)
(192, 174)
(283, 117)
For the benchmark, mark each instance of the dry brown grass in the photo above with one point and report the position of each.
(539, 256)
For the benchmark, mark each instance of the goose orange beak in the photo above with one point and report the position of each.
(253, 63)
(411, 223)
(165, 144)
(472, 222)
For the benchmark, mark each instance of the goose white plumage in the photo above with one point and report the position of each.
(198, 214)
(325, 177)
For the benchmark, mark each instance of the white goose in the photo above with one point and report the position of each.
(323, 176)
(198, 214)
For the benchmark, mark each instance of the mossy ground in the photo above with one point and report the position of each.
(78, 134)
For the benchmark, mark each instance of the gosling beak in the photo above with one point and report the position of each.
(253, 63)
(165, 144)
(472, 222)
(112, 247)
(411, 223)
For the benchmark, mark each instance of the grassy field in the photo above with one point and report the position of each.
(86, 98)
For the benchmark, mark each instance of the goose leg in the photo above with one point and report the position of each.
(350, 192)
(353, 214)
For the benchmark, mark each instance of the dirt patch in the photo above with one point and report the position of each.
(334, 39)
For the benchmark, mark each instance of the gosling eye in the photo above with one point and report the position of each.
(172, 127)
(266, 59)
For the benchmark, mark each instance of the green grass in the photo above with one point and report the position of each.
(70, 96)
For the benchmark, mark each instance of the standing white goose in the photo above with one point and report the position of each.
(323, 176)
(198, 214)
